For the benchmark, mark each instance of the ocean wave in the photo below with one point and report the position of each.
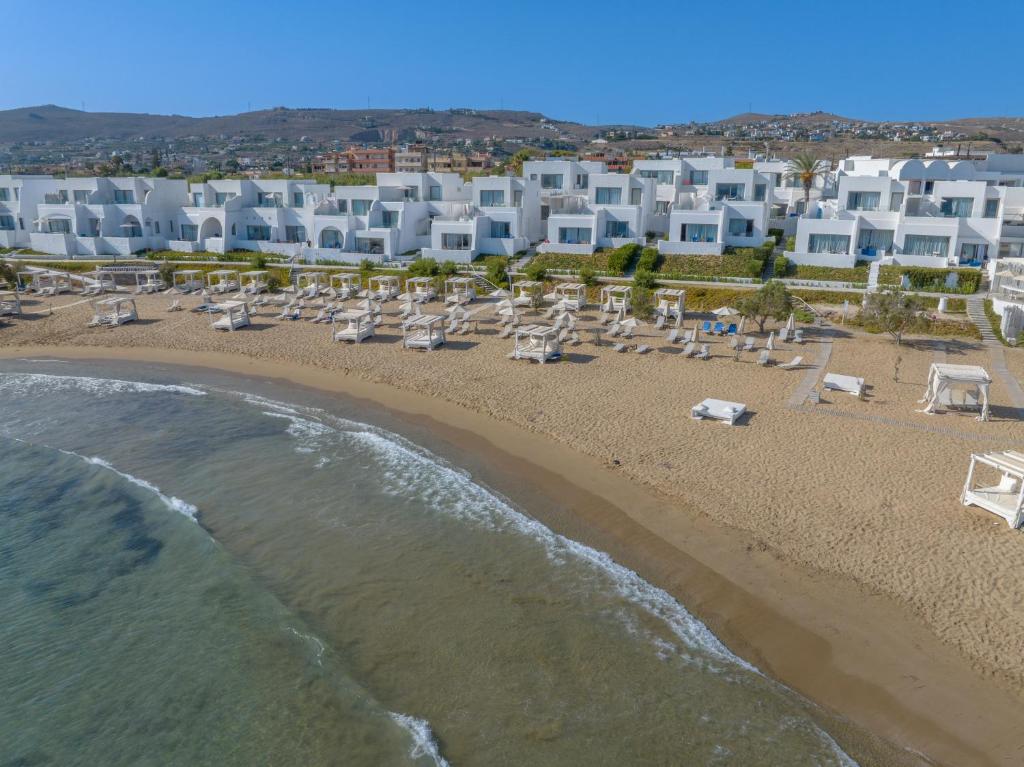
(29, 383)
(174, 504)
(423, 742)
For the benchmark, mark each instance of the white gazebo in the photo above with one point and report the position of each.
(420, 289)
(310, 284)
(570, 296)
(236, 315)
(112, 312)
(423, 332)
(345, 284)
(148, 281)
(10, 303)
(223, 280)
(254, 281)
(536, 342)
(670, 305)
(616, 298)
(459, 290)
(1006, 496)
(964, 386)
(524, 291)
(358, 326)
(385, 286)
(188, 280)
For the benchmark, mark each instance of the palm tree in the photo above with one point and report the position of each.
(807, 168)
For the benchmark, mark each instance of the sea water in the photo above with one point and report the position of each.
(217, 572)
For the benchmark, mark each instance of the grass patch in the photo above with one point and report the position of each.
(828, 273)
(931, 280)
(596, 261)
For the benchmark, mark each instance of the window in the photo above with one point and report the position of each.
(5, 194)
(343, 206)
(661, 208)
(608, 195)
(156, 227)
(389, 219)
(81, 196)
(7, 223)
(925, 245)
(896, 201)
(197, 199)
(574, 235)
(330, 238)
(124, 196)
(991, 208)
(957, 207)
(582, 181)
(219, 198)
(361, 207)
(434, 193)
(874, 240)
(659, 176)
(21, 223)
(170, 226)
(455, 241)
(295, 234)
(501, 230)
(259, 232)
(492, 198)
(729, 191)
(929, 187)
(699, 233)
(741, 227)
(517, 198)
(915, 187)
(58, 226)
(370, 245)
(698, 178)
(616, 229)
(298, 200)
(93, 227)
(550, 180)
(863, 200)
(828, 243)
(234, 229)
(131, 228)
(636, 196)
(759, 192)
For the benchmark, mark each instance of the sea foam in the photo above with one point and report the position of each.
(29, 383)
(423, 741)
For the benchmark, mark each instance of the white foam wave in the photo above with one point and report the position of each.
(28, 383)
(174, 504)
(318, 646)
(423, 742)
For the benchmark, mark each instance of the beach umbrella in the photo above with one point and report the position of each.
(724, 311)
(770, 346)
(791, 322)
(742, 326)
(632, 323)
(500, 293)
(406, 297)
(696, 331)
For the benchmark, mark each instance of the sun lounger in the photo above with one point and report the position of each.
(175, 305)
(689, 349)
(660, 322)
(798, 336)
(706, 326)
(763, 358)
(506, 331)
(849, 384)
(793, 363)
(748, 345)
(704, 352)
(719, 328)
(731, 330)
(672, 335)
(784, 335)
(614, 329)
(719, 410)
(734, 342)
(643, 349)
(620, 347)
(628, 332)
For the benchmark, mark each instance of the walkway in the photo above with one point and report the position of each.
(811, 376)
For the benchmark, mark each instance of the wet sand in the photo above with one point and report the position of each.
(825, 544)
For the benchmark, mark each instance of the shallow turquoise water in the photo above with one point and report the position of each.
(194, 572)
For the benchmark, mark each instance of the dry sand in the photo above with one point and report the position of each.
(846, 492)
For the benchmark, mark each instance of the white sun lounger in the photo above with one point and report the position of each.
(848, 384)
(748, 345)
(643, 349)
(793, 363)
(719, 410)
(689, 349)
(619, 347)
(763, 358)
(704, 352)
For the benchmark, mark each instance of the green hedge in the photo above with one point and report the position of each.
(596, 261)
(830, 273)
(623, 257)
(649, 261)
(931, 280)
(739, 262)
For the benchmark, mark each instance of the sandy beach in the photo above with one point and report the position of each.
(825, 543)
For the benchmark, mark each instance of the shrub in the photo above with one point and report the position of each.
(791, 243)
(166, 270)
(535, 271)
(644, 279)
(649, 261)
(497, 270)
(781, 266)
(587, 276)
(259, 261)
(772, 300)
(366, 266)
(622, 258)
(830, 273)
(572, 260)
(778, 234)
(423, 267)
(448, 268)
(274, 283)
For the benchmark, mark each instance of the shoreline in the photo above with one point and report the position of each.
(857, 654)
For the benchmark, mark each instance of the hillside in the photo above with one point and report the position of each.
(58, 124)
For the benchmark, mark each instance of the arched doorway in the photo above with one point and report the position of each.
(331, 238)
(211, 228)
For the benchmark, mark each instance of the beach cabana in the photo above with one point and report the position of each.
(10, 303)
(236, 315)
(345, 284)
(669, 306)
(255, 281)
(536, 342)
(524, 291)
(964, 386)
(570, 296)
(311, 283)
(459, 290)
(148, 281)
(45, 282)
(188, 280)
(358, 326)
(420, 289)
(112, 312)
(718, 410)
(223, 280)
(616, 298)
(95, 282)
(385, 286)
(849, 384)
(1006, 496)
(423, 332)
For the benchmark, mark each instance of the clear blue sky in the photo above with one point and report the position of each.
(627, 61)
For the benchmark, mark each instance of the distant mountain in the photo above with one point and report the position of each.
(808, 118)
(57, 124)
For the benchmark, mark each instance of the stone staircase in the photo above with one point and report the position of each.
(976, 313)
(873, 272)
